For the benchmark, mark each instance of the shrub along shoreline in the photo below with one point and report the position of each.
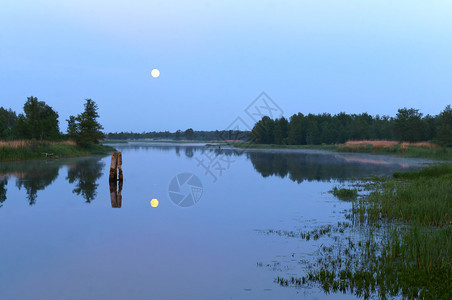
(32, 150)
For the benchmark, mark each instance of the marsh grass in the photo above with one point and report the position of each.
(418, 197)
(344, 194)
(28, 149)
(404, 243)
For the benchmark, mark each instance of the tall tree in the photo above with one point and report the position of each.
(72, 127)
(444, 133)
(8, 119)
(263, 131)
(88, 128)
(189, 134)
(39, 122)
(281, 130)
(408, 125)
(296, 130)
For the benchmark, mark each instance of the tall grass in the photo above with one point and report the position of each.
(28, 149)
(405, 246)
(26, 143)
(418, 197)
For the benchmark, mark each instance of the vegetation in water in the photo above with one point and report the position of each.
(344, 194)
(398, 242)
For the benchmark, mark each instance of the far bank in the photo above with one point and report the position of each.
(420, 150)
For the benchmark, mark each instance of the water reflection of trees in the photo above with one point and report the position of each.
(3, 184)
(35, 176)
(188, 150)
(85, 175)
(299, 167)
(37, 179)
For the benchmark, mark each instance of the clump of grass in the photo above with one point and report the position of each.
(344, 194)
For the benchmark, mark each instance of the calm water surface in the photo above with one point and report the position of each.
(63, 235)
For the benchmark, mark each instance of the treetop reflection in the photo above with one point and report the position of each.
(35, 176)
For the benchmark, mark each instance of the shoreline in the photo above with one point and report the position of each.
(443, 154)
(33, 150)
(399, 150)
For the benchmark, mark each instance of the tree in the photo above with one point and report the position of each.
(281, 131)
(408, 125)
(39, 122)
(72, 127)
(189, 134)
(177, 134)
(263, 131)
(85, 127)
(8, 119)
(444, 133)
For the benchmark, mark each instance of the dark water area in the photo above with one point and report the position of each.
(66, 233)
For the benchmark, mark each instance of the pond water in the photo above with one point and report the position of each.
(65, 233)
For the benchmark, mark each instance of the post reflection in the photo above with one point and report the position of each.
(115, 194)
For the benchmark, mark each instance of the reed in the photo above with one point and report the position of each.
(402, 241)
(29, 149)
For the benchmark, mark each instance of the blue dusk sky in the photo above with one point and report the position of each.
(215, 57)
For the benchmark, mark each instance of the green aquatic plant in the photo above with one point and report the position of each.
(344, 194)
(401, 244)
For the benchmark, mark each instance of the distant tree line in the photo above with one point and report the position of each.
(39, 121)
(188, 134)
(409, 125)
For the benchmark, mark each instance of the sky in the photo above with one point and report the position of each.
(216, 57)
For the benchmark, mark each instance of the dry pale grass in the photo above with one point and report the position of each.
(25, 143)
(375, 143)
(421, 144)
(379, 144)
(15, 144)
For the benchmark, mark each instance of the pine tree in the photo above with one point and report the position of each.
(85, 127)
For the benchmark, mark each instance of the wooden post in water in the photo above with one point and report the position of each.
(116, 163)
(120, 166)
(115, 193)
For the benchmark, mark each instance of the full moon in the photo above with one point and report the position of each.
(155, 73)
(154, 203)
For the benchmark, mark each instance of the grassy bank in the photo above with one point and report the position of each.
(406, 249)
(419, 150)
(25, 150)
(397, 243)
